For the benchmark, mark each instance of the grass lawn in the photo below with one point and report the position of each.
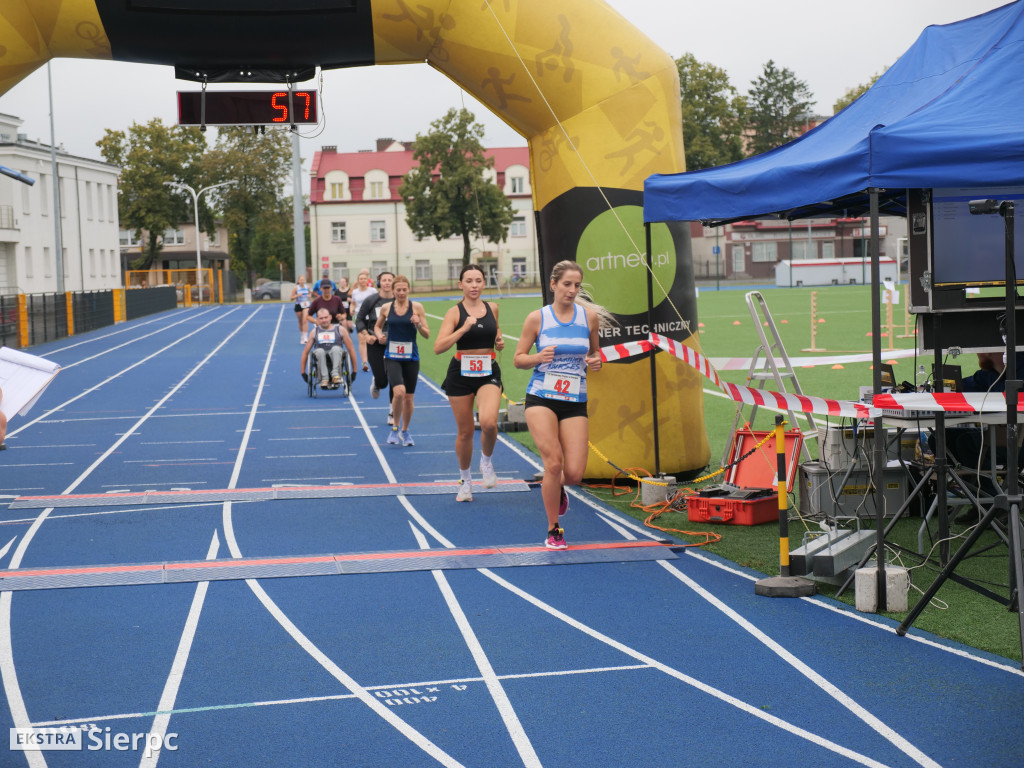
(843, 327)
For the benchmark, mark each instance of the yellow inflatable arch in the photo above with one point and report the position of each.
(597, 101)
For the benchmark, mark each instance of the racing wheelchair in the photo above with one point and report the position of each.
(313, 375)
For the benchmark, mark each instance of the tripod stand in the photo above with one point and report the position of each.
(1010, 501)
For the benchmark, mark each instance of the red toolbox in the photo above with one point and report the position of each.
(734, 506)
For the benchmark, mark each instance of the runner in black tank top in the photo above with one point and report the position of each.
(473, 376)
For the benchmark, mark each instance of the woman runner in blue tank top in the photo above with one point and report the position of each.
(566, 335)
(473, 375)
(396, 328)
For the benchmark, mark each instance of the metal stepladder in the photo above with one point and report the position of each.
(770, 363)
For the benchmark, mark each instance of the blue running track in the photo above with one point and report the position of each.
(362, 626)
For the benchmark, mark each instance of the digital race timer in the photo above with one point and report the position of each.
(247, 108)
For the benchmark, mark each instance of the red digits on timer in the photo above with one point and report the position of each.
(284, 107)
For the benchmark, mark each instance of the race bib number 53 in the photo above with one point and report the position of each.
(562, 386)
(475, 365)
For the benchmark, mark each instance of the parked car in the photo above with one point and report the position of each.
(275, 290)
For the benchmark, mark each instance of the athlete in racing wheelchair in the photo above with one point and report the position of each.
(328, 354)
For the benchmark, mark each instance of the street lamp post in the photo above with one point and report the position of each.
(195, 206)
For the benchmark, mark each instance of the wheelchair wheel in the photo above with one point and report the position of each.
(311, 375)
(346, 383)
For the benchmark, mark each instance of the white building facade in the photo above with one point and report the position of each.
(88, 218)
(357, 219)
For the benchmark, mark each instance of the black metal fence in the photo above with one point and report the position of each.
(47, 313)
(47, 317)
(9, 320)
(92, 310)
(146, 301)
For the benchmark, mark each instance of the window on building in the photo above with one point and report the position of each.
(339, 269)
(828, 249)
(212, 242)
(103, 262)
(764, 251)
(337, 190)
(88, 200)
(454, 268)
(518, 228)
(29, 272)
(338, 232)
(517, 185)
(127, 238)
(174, 237)
(519, 265)
(422, 273)
(92, 262)
(44, 195)
(47, 262)
(801, 251)
(100, 213)
(114, 272)
(26, 198)
(376, 267)
(378, 231)
(377, 190)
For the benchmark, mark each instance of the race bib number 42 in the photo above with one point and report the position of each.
(562, 386)
(400, 350)
(475, 365)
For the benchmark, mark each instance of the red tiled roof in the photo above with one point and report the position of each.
(395, 164)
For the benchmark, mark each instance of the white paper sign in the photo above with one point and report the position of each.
(23, 378)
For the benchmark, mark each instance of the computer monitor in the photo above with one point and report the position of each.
(968, 249)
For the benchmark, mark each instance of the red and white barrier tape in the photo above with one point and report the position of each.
(950, 402)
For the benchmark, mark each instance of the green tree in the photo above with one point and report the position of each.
(447, 194)
(712, 114)
(257, 216)
(778, 105)
(852, 94)
(149, 155)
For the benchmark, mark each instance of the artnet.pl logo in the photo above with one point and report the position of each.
(89, 738)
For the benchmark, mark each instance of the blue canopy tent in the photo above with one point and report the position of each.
(948, 113)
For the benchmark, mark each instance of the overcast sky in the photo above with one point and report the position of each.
(830, 46)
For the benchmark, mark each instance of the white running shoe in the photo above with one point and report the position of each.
(374, 390)
(393, 438)
(465, 491)
(391, 419)
(490, 479)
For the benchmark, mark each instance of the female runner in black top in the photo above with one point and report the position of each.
(473, 375)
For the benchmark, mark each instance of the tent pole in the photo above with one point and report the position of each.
(878, 445)
(654, 369)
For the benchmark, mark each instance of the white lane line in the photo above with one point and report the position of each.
(133, 340)
(842, 610)
(494, 686)
(304, 642)
(622, 520)
(123, 371)
(701, 686)
(341, 696)
(120, 331)
(7, 546)
(819, 680)
(15, 700)
(151, 756)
